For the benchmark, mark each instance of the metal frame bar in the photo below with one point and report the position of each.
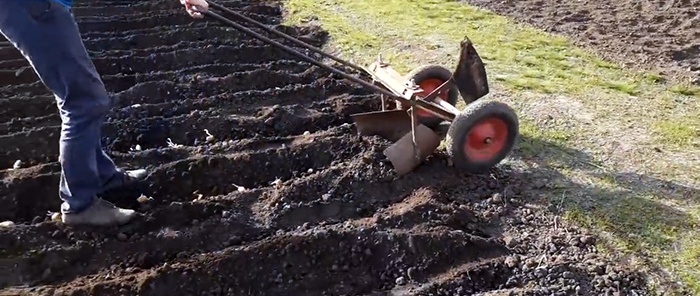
(435, 92)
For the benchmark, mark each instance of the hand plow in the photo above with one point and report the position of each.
(477, 138)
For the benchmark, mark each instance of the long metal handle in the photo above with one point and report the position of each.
(425, 105)
(285, 36)
(295, 53)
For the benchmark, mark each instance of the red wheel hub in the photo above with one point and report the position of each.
(486, 139)
(428, 86)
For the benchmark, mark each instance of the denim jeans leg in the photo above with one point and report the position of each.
(106, 168)
(48, 37)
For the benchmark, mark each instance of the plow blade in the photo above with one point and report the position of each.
(401, 154)
(470, 74)
(391, 125)
(395, 126)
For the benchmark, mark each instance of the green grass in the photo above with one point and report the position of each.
(522, 57)
(686, 90)
(529, 64)
(643, 224)
(683, 131)
(531, 143)
(512, 50)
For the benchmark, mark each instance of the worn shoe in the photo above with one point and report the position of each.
(133, 176)
(100, 213)
(125, 179)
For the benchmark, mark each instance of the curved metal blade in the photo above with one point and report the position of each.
(391, 125)
(470, 74)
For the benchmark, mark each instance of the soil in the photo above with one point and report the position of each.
(650, 34)
(282, 199)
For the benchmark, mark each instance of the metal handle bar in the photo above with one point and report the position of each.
(425, 105)
(285, 36)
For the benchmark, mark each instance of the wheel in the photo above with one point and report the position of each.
(430, 77)
(481, 136)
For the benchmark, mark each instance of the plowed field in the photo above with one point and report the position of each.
(282, 199)
(649, 34)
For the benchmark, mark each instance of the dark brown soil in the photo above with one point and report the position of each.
(321, 211)
(649, 34)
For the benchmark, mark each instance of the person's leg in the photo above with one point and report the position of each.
(106, 168)
(47, 35)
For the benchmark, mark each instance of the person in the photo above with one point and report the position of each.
(47, 35)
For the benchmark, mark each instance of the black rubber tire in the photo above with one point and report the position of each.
(424, 72)
(465, 121)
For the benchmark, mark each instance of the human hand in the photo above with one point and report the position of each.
(195, 7)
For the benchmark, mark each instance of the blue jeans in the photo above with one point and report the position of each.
(48, 37)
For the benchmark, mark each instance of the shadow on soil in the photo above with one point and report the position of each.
(628, 205)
